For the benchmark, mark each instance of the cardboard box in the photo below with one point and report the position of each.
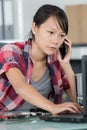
(77, 17)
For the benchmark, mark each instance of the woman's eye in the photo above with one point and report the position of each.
(62, 35)
(51, 32)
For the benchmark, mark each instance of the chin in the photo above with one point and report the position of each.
(51, 53)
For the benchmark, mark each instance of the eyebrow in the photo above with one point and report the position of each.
(55, 29)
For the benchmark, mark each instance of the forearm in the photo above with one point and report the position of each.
(31, 95)
(27, 91)
(71, 79)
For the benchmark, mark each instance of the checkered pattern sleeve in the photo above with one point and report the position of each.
(10, 56)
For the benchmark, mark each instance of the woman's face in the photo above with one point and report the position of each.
(48, 36)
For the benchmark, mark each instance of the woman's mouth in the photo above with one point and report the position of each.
(52, 48)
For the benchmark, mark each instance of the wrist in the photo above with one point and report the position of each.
(67, 68)
(52, 108)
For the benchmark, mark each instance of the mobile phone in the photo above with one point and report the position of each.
(63, 50)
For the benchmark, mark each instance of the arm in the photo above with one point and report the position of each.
(65, 64)
(71, 79)
(27, 92)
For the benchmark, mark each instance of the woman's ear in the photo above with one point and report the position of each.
(34, 28)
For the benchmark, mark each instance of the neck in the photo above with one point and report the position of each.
(36, 54)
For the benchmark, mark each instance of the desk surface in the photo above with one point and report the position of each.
(34, 123)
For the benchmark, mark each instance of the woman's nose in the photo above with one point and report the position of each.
(57, 40)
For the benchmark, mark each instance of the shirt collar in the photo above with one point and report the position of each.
(27, 49)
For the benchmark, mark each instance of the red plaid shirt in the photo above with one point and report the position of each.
(17, 55)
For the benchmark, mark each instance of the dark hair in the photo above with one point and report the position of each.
(48, 10)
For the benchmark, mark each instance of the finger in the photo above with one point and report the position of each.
(79, 107)
(70, 110)
(67, 41)
(76, 108)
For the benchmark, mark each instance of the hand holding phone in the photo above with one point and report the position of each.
(63, 50)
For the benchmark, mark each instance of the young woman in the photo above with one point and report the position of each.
(33, 72)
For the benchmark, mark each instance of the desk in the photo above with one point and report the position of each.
(35, 123)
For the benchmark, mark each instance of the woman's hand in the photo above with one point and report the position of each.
(67, 56)
(68, 107)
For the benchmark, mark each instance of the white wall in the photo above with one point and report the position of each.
(25, 9)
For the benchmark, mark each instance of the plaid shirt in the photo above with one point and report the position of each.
(17, 55)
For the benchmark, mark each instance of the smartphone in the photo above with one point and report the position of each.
(63, 50)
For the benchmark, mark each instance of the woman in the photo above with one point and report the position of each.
(34, 72)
